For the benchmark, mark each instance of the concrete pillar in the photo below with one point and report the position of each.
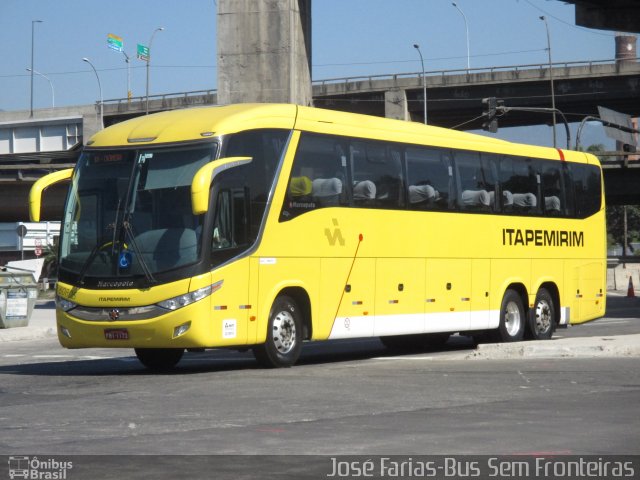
(626, 53)
(395, 104)
(90, 126)
(264, 51)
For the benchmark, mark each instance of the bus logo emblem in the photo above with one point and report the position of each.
(335, 235)
(114, 314)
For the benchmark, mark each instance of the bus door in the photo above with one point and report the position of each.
(448, 295)
(232, 305)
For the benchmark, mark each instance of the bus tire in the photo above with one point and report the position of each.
(159, 358)
(512, 318)
(542, 316)
(284, 335)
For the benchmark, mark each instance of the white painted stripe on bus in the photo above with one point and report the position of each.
(412, 323)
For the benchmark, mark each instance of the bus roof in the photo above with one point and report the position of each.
(205, 122)
(195, 124)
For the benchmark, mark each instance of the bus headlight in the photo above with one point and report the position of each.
(187, 299)
(64, 304)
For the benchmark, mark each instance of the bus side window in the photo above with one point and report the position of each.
(266, 148)
(519, 178)
(318, 176)
(429, 179)
(229, 223)
(587, 189)
(552, 186)
(475, 185)
(222, 222)
(377, 175)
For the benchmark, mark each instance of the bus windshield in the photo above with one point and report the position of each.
(129, 213)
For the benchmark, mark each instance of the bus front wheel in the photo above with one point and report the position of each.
(542, 316)
(512, 318)
(159, 358)
(284, 335)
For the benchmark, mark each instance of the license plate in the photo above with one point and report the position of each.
(116, 334)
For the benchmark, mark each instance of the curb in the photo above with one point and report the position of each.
(26, 333)
(585, 347)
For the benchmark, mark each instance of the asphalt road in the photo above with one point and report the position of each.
(344, 398)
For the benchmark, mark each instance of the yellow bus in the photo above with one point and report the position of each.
(265, 226)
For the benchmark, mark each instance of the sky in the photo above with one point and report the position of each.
(349, 38)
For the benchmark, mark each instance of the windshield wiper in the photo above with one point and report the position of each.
(143, 263)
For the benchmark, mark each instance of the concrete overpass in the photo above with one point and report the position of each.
(619, 15)
(454, 98)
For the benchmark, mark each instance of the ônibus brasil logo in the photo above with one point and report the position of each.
(40, 469)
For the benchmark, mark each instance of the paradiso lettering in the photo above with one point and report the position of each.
(542, 238)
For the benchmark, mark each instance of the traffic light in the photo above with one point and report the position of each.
(491, 122)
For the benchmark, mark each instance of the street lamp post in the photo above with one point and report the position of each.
(159, 29)
(53, 94)
(127, 59)
(553, 96)
(33, 24)
(466, 27)
(85, 59)
(424, 82)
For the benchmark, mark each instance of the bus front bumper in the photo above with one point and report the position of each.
(182, 328)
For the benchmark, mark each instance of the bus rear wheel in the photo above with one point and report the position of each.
(159, 358)
(512, 318)
(284, 335)
(542, 316)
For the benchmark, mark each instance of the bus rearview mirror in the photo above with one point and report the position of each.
(35, 194)
(203, 179)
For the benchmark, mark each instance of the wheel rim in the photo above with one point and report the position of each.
(284, 332)
(512, 318)
(543, 316)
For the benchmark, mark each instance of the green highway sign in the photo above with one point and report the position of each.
(114, 42)
(143, 52)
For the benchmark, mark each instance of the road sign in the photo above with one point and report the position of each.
(143, 53)
(114, 42)
(38, 249)
(623, 134)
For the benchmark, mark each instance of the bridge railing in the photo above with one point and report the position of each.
(466, 71)
(164, 98)
(186, 98)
